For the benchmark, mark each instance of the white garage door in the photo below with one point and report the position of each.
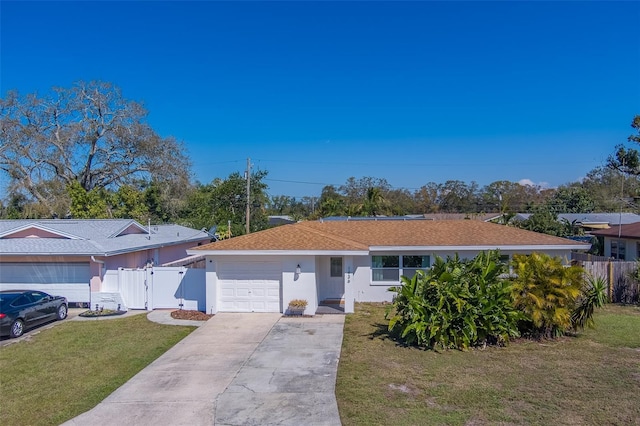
(69, 279)
(249, 286)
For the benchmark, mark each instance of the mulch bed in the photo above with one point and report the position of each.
(183, 314)
(101, 313)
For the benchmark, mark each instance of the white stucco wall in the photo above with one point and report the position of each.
(302, 286)
(211, 282)
(365, 290)
(293, 286)
(358, 285)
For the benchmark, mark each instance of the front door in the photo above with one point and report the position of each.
(332, 284)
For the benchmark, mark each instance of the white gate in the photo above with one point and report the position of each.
(178, 288)
(163, 288)
(133, 285)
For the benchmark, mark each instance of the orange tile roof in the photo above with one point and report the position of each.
(361, 235)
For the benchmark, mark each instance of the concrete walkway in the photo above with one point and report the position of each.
(236, 369)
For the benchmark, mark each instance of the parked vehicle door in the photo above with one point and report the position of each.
(44, 307)
(27, 309)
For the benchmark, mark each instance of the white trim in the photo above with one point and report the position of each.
(124, 228)
(278, 252)
(375, 249)
(483, 247)
(41, 228)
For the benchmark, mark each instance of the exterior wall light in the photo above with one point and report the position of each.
(298, 269)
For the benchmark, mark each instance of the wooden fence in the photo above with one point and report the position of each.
(622, 286)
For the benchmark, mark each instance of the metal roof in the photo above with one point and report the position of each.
(610, 218)
(92, 237)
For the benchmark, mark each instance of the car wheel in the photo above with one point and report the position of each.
(62, 312)
(17, 328)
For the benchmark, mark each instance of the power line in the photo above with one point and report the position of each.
(302, 182)
(440, 164)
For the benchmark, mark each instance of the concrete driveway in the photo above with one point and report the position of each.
(237, 369)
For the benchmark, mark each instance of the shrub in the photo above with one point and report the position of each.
(546, 292)
(298, 303)
(455, 304)
(593, 296)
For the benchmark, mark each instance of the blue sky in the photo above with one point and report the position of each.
(316, 92)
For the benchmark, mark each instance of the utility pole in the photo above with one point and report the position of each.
(248, 176)
(621, 201)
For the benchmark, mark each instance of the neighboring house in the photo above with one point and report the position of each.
(485, 217)
(280, 220)
(75, 258)
(621, 242)
(348, 261)
(591, 221)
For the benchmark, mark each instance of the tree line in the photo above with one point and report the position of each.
(88, 152)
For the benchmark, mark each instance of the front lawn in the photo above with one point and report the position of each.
(68, 369)
(593, 378)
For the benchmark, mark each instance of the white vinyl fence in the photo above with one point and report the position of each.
(157, 288)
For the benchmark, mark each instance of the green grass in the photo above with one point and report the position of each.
(66, 370)
(593, 378)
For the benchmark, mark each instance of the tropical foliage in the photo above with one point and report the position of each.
(455, 304)
(593, 296)
(546, 291)
(460, 303)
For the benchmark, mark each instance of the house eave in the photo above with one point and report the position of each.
(507, 247)
(278, 252)
(129, 224)
(152, 246)
(41, 228)
(51, 254)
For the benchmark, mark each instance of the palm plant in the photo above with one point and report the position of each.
(594, 296)
(373, 202)
(545, 291)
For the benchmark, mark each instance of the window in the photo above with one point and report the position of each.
(22, 300)
(410, 264)
(390, 268)
(618, 249)
(37, 296)
(385, 268)
(336, 266)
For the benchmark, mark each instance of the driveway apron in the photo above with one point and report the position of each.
(236, 369)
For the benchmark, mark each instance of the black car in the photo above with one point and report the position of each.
(23, 309)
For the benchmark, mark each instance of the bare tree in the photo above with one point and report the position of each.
(87, 133)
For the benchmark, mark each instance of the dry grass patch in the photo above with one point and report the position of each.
(588, 379)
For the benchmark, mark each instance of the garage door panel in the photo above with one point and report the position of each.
(242, 292)
(273, 293)
(227, 292)
(249, 286)
(258, 292)
(258, 306)
(69, 279)
(273, 306)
